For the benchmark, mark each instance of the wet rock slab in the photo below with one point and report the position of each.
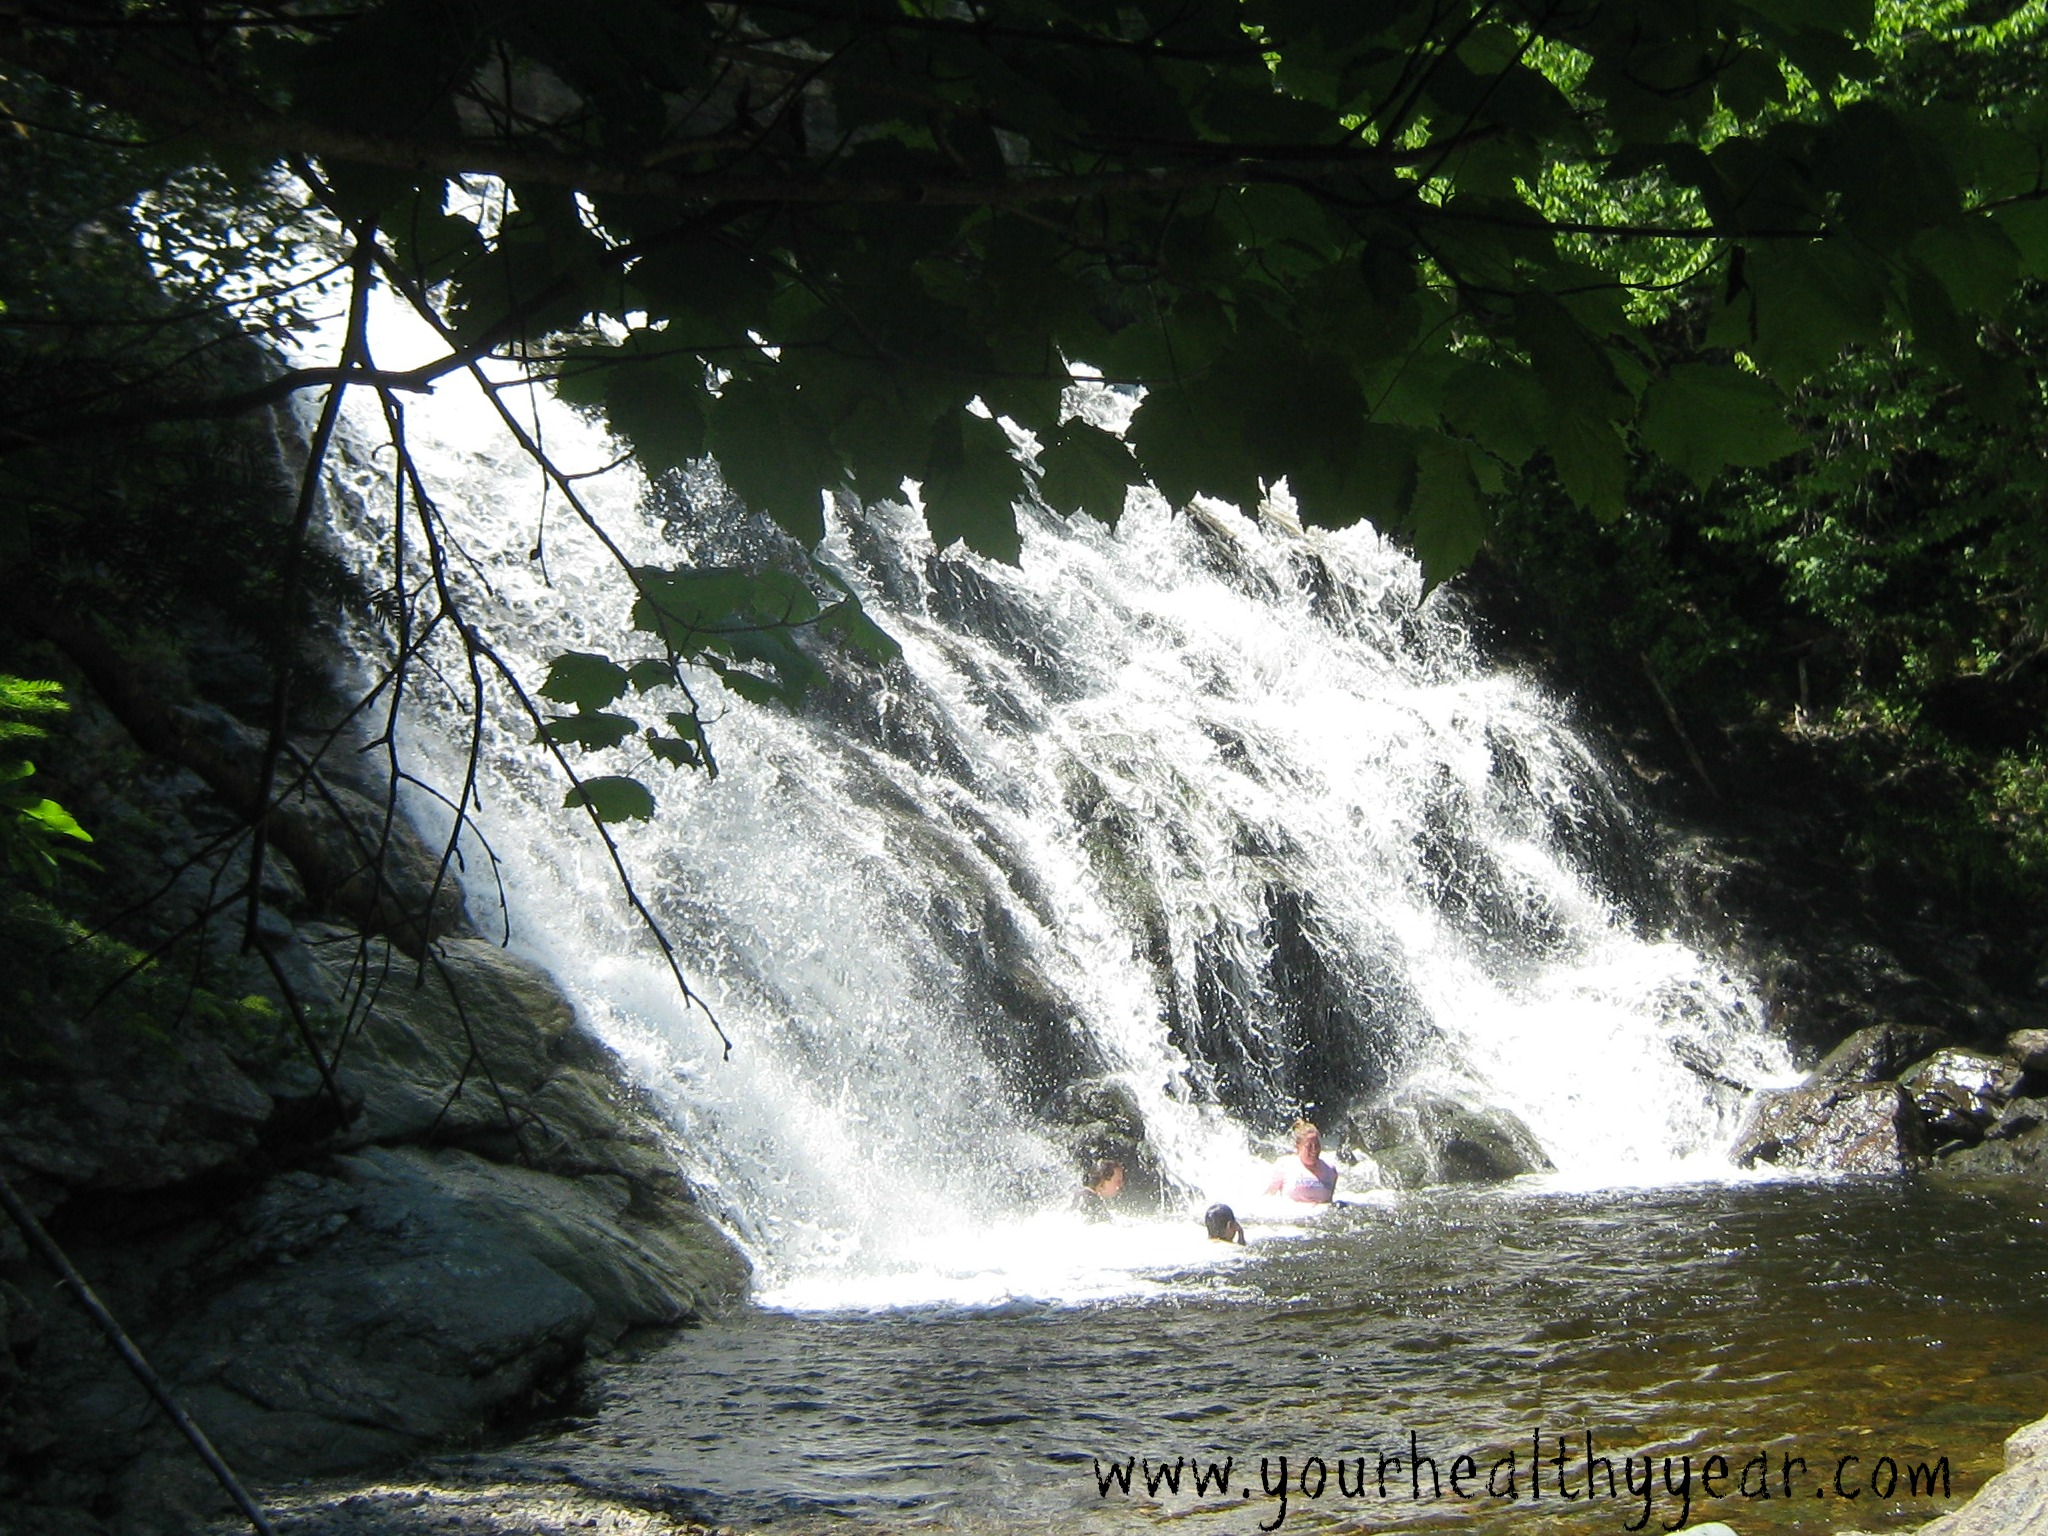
(1419, 1139)
(1961, 1092)
(454, 1508)
(1834, 1128)
(1877, 1053)
(2014, 1146)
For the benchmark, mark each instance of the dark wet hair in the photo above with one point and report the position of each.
(1102, 1170)
(1219, 1219)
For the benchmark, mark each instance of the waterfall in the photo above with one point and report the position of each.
(1208, 814)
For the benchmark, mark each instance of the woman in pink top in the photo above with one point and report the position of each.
(1304, 1175)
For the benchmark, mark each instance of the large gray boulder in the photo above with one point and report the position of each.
(451, 1049)
(1418, 1138)
(407, 1296)
(500, 1206)
(1840, 1128)
(339, 1319)
(85, 1107)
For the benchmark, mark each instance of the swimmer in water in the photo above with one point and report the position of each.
(1304, 1174)
(1223, 1225)
(1104, 1183)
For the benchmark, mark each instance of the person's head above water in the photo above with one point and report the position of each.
(1106, 1177)
(1223, 1225)
(1302, 1174)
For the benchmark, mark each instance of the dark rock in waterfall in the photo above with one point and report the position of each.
(1224, 552)
(1418, 1139)
(963, 595)
(1511, 921)
(1588, 824)
(1285, 1021)
(1877, 1054)
(1330, 1049)
(1961, 1092)
(1705, 1062)
(1099, 1117)
(1834, 1128)
(1024, 1021)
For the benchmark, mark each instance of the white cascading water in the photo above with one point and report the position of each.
(1107, 799)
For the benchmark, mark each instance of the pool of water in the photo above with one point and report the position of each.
(1895, 1322)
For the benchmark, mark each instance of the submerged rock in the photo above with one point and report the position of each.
(1834, 1128)
(1419, 1139)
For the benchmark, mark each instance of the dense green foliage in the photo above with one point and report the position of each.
(1431, 263)
(36, 833)
(1328, 240)
(1875, 602)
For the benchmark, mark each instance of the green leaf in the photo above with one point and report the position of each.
(849, 621)
(658, 408)
(691, 730)
(1086, 470)
(55, 820)
(1892, 181)
(2026, 225)
(1993, 385)
(1499, 407)
(674, 751)
(593, 730)
(1576, 374)
(1189, 443)
(1705, 417)
(775, 454)
(750, 686)
(587, 681)
(971, 485)
(612, 798)
(1799, 304)
(695, 610)
(1448, 517)
(649, 673)
(1591, 463)
(1851, 16)
(1976, 261)
(1751, 82)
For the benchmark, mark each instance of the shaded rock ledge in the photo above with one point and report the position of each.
(333, 1272)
